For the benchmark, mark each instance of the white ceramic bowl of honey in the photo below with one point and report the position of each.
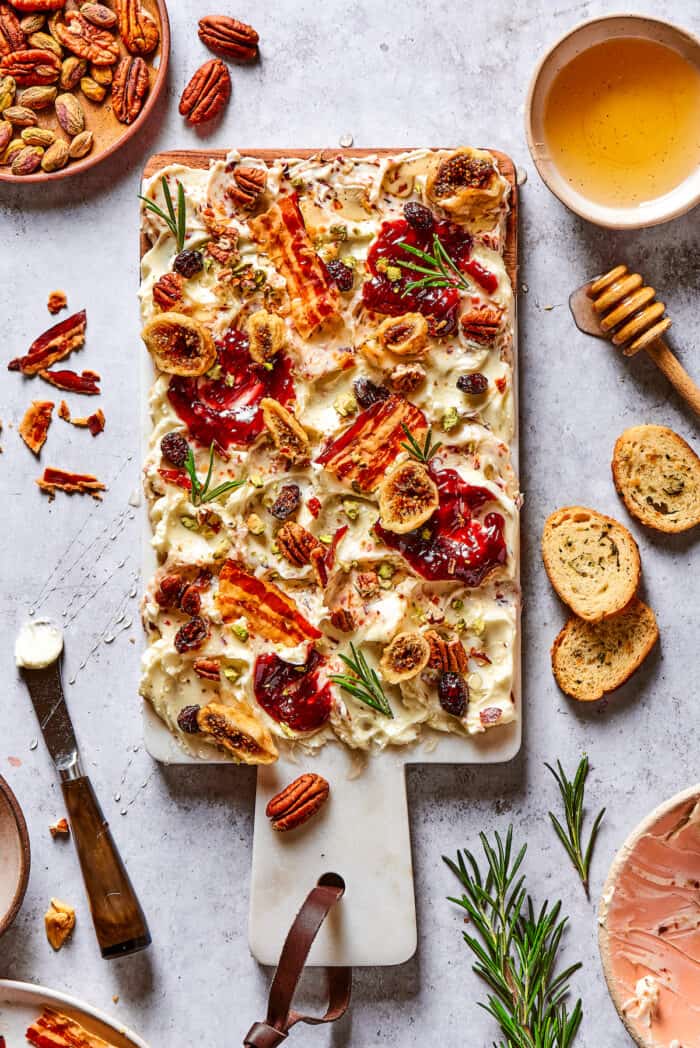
(613, 121)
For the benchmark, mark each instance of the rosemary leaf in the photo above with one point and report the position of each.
(363, 683)
(572, 794)
(177, 224)
(439, 269)
(420, 454)
(200, 493)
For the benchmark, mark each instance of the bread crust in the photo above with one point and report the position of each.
(595, 687)
(617, 597)
(687, 473)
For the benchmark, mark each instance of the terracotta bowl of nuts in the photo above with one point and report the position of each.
(14, 857)
(77, 80)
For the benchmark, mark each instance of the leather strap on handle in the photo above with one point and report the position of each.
(280, 1014)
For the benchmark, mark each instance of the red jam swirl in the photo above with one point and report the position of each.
(290, 694)
(226, 410)
(452, 544)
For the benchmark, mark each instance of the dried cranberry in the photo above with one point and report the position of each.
(287, 502)
(187, 719)
(418, 216)
(174, 448)
(475, 384)
(190, 601)
(342, 274)
(368, 393)
(453, 694)
(188, 263)
(192, 635)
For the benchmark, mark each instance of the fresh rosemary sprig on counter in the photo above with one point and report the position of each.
(420, 454)
(572, 793)
(517, 949)
(200, 493)
(439, 269)
(176, 222)
(364, 683)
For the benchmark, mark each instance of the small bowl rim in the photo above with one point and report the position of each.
(572, 201)
(8, 918)
(93, 159)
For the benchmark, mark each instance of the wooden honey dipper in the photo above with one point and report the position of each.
(618, 306)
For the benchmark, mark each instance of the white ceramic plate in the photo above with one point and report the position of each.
(22, 1003)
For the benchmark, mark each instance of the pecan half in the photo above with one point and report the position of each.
(343, 620)
(129, 89)
(53, 345)
(223, 251)
(207, 92)
(482, 324)
(86, 40)
(296, 544)
(208, 669)
(248, 184)
(31, 67)
(367, 584)
(407, 378)
(446, 656)
(229, 37)
(296, 803)
(12, 37)
(167, 292)
(138, 30)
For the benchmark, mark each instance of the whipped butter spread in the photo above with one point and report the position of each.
(244, 628)
(38, 645)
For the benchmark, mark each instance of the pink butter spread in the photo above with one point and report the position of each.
(650, 917)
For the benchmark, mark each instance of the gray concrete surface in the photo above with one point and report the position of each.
(389, 74)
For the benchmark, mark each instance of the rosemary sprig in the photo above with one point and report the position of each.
(364, 683)
(420, 454)
(517, 949)
(200, 493)
(438, 267)
(573, 794)
(176, 222)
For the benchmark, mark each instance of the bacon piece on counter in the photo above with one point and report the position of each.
(34, 427)
(72, 382)
(54, 480)
(53, 345)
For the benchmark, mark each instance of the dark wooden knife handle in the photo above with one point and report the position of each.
(116, 912)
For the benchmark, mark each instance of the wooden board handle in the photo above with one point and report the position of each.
(676, 374)
(119, 922)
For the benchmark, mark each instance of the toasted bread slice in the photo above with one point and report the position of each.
(590, 659)
(592, 561)
(658, 476)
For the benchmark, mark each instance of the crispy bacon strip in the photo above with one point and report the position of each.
(54, 480)
(72, 382)
(281, 233)
(53, 345)
(361, 455)
(34, 427)
(270, 613)
(53, 1030)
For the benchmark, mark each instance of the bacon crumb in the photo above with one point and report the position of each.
(53, 345)
(72, 382)
(34, 427)
(58, 300)
(59, 828)
(64, 411)
(95, 423)
(54, 480)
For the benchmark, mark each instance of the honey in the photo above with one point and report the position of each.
(622, 121)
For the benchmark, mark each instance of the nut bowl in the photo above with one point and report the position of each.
(109, 134)
(14, 857)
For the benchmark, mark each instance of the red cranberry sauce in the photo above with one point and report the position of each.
(290, 694)
(226, 410)
(453, 545)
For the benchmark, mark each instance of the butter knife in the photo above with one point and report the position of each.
(119, 921)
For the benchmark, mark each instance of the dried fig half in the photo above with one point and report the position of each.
(405, 657)
(267, 335)
(408, 497)
(406, 336)
(238, 732)
(179, 345)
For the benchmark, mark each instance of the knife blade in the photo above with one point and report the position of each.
(46, 691)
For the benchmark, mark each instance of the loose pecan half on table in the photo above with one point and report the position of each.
(296, 803)
(229, 37)
(207, 92)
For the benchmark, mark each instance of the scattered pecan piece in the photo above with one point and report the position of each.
(59, 920)
(129, 89)
(207, 92)
(12, 36)
(57, 301)
(139, 32)
(482, 324)
(167, 292)
(60, 828)
(295, 804)
(53, 345)
(343, 619)
(296, 543)
(87, 41)
(34, 427)
(223, 251)
(248, 183)
(72, 382)
(367, 584)
(206, 668)
(31, 67)
(54, 480)
(446, 656)
(229, 37)
(407, 378)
